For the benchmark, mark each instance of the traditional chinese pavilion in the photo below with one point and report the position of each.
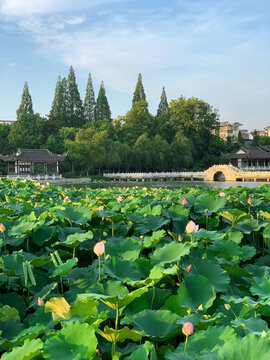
(27, 162)
(252, 158)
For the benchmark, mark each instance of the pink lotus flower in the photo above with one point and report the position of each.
(184, 202)
(2, 227)
(222, 193)
(187, 329)
(192, 227)
(120, 198)
(249, 200)
(101, 208)
(188, 268)
(40, 302)
(168, 197)
(99, 248)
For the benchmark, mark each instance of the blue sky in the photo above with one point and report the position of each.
(216, 50)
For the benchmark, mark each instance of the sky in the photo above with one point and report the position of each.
(214, 50)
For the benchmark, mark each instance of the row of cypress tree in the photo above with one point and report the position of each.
(69, 110)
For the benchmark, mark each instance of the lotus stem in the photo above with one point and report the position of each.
(61, 281)
(153, 297)
(73, 253)
(99, 268)
(186, 344)
(115, 331)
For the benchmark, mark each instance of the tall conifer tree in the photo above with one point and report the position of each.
(26, 106)
(74, 103)
(58, 109)
(102, 108)
(139, 93)
(163, 104)
(89, 101)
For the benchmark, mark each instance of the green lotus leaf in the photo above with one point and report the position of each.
(127, 248)
(73, 240)
(251, 325)
(123, 270)
(143, 352)
(158, 272)
(12, 264)
(77, 214)
(248, 225)
(194, 291)
(234, 235)
(25, 227)
(248, 252)
(85, 307)
(14, 300)
(113, 294)
(209, 202)
(30, 333)
(227, 249)
(250, 347)
(153, 222)
(170, 252)
(213, 272)
(43, 234)
(209, 235)
(121, 335)
(64, 268)
(234, 215)
(8, 313)
(74, 341)
(262, 289)
(157, 324)
(29, 350)
(151, 241)
(236, 270)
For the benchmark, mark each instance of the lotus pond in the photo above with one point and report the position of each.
(134, 273)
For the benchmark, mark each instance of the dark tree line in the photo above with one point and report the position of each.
(182, 135)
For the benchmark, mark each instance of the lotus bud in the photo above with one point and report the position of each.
(40, 302)
(187, 329)
(100, 208)
(222, 193)
(192, 227)
(184, 202)
(179, 238)
(168, 197)
(227, 306)
(2, 227)
(249, 200)
(189, 268)
(99, 248)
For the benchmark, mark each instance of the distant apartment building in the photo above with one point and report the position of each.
(227, 129)
(7, 122)
(265, 131)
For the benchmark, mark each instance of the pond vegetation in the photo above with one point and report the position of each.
(134, 273)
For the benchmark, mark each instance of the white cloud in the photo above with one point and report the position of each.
(76, 20)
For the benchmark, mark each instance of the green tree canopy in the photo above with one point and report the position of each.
(26, 106)
(136, 122)
(102, 108)
(139, 93)
(89, 101)
(74, 106)
(27, 132)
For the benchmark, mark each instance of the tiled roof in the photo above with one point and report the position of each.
(251, 153)
(33, 155)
